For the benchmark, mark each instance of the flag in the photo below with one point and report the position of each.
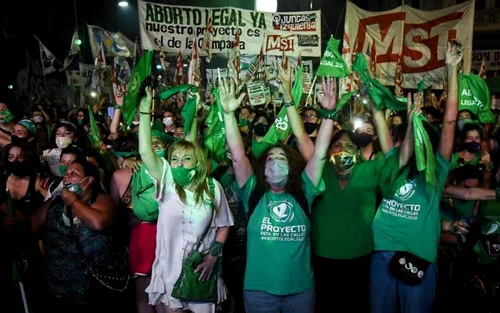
(381, 96)
(474, 95)
(114, 44)
(482, 71)
(234, 60)
(178, 76)
(194, 73)
(255, 66)
(281, 130)
(100, 60)
(46, 59)
(215, 137)
(207, 39)
(188, 111)
(163, 59)
(140, 73)
(332, 64)
(373, 59)
(398, 86)
(73, 50)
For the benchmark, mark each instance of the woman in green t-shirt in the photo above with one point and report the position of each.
(278, 275)
(406, 228)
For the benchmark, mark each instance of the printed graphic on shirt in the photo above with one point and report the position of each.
(281, 225)
(397, 208)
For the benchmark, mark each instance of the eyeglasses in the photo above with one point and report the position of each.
(310, 116)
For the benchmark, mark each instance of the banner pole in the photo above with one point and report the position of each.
(312, 86)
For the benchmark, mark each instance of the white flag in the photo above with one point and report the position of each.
(46, 59)
(114, 44)
(73, 50)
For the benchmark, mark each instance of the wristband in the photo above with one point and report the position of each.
(73, 201)
(328, 114)
(497, 193)
(288, 104)
(216, 249)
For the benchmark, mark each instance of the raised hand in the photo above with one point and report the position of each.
(328, 99)
(285, 78)
(227, 93)
(454, 54)
(146, 101)
(413, 109)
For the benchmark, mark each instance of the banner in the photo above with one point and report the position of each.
(174, 28)
(491, 59)
(418, 37)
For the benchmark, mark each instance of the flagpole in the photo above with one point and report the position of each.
(312, 86)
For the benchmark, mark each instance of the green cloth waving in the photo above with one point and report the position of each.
(143, 202)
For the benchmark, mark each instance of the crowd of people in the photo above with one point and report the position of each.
(371, 218)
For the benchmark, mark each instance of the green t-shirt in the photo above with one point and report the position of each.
(378, 155)
(456, 210)
(258, 148)
(474, 161)
(410, 221)
(278, 245)
(341, 219)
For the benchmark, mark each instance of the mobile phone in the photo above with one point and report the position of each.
(111, 112)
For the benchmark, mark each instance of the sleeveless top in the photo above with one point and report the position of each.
(31, 201)
(65, 271)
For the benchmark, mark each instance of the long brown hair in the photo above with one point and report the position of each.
(200, 179)
(296, 165)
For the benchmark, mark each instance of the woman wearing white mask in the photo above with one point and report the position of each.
(169, 122)
(64, 136)
(277, 198)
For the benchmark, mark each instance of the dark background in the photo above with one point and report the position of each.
(54, 23)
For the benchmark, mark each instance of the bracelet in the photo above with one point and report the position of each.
(73, 201)
(328, 114)
(148, 113)
(288, 104)
(216, 249)
(497, 193)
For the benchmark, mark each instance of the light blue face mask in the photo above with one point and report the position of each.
(76, 187)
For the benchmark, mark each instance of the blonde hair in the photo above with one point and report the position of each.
(200, 178)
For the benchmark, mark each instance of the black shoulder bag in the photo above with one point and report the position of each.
(408, 267)
(103, 282)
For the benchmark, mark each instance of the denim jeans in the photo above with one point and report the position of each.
(264, 302)
(386, 290)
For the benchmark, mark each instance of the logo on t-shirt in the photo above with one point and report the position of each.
(406, 191)
(281, 211)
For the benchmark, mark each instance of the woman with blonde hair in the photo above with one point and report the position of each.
(193, 215)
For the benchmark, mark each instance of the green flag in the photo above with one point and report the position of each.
(215, 137)
(95, 136)
(421, 86)
(141, 71)
(280, 130)
(380, 95)
(474, 95)
(426, 160)
(342, 102)
(332, 64)
(164, 95)
(188, 111)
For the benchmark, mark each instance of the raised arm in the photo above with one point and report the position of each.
(383, 133)
(151, 160)
(304, 142)
(241, 165)
(470, 194)
(453, 59)
(316, 164)
(408, 144)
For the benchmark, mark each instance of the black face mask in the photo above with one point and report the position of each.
(19, 169)
(310, 127)
(363, 139)
(260, 129)
(15, 139)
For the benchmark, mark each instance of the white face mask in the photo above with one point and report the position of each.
(276, 173)
(168, 121)
(63, 142)
(38, 119)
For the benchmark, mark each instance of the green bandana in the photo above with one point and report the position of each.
(143, 202)
(7, 115)
(30, 126)
(125, 154)
(426, 160)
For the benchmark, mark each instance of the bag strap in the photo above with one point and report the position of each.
(211, 186)
(75, 236)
